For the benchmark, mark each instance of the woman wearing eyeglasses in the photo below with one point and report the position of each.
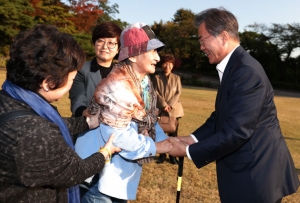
(106, 41)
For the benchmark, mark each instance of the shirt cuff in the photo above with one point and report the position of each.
(187, 147)
(194, 138)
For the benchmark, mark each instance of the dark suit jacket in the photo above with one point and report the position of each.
(83, 87)
(243, 136)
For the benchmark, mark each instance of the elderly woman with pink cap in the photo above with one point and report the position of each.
(127, 103)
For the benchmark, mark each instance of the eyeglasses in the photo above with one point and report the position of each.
(202, 41)
(109, 45)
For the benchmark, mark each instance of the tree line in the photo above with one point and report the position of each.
(271, 45)
(76, 17)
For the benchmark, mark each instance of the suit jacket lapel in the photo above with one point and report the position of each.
(229, 65)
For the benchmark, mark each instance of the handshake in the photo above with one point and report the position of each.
(175, 146)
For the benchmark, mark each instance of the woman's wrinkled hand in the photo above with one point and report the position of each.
(163, 146)
(178, 147)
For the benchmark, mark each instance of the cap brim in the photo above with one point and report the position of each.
(151, 45)
(155, 44)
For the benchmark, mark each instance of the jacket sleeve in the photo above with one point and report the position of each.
(76, 125)
(161, 102)
(77, 94)
(237, 115)
(44, 159)
(133, 145)
(207, 129)
(174, 99)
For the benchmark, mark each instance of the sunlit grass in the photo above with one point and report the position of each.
(159, 182)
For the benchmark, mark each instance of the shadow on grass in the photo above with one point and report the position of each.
(298, 171)
(290, 138)
(286, 93)
(200, 88)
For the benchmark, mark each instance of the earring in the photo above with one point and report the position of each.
(47, 90)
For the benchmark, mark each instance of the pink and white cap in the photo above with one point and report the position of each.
(136, 39)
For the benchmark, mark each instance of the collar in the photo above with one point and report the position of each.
(222, 65)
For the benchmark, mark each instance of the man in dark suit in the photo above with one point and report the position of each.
(243, 134)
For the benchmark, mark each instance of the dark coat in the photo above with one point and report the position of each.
(84, 85)
(34, 155)
(243, 136)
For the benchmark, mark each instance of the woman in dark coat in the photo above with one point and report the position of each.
(38, 162)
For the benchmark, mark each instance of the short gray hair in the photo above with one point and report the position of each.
(218, 20)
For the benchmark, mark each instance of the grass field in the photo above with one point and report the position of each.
(159, 182)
